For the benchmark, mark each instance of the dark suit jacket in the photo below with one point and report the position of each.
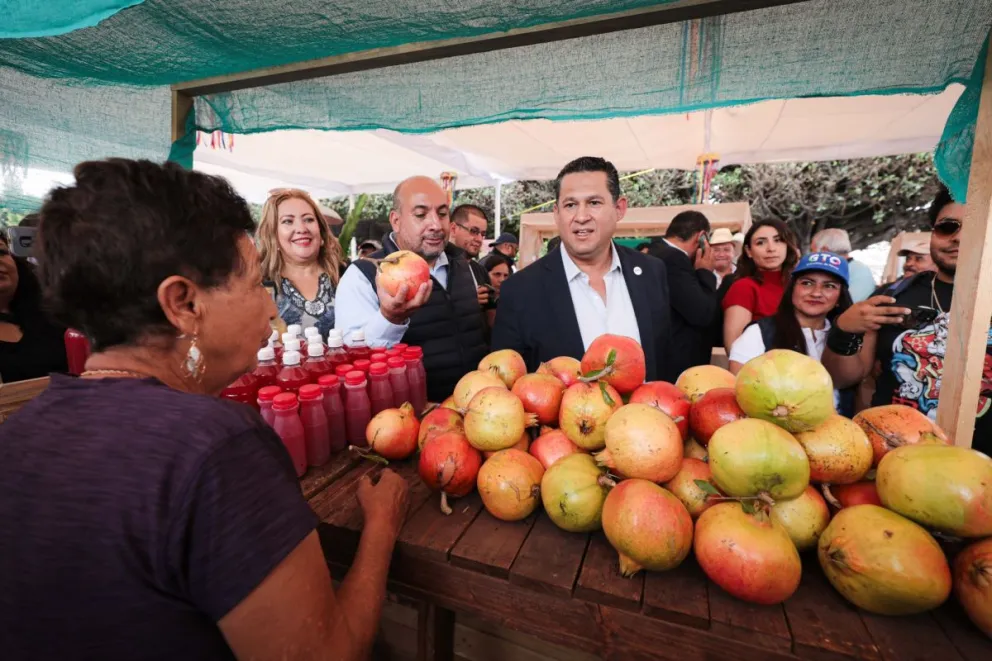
(537, 319)
(695, 306)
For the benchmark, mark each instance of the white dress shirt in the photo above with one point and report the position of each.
(356, 306)
(596, 317)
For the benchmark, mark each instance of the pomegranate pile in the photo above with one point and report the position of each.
(747, 473)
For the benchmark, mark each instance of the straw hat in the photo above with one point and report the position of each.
(919, 245)
(721, 235)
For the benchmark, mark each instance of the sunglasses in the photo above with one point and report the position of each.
(474, 231)
(947, 227)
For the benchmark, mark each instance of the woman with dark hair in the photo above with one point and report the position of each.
(770, 253)
(498, 269)
(31, 346)
(817, 293)
(143, 515)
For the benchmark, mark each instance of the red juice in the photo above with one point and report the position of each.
(292, 375)
(357, 408)
(266, 395)
(380, 391)
(357, 349)
(290, 429)
(341, 371)
(398, 381)
(315, 363)
(316, 432)
(77, 350)
(244, 390)
(336, 353)
(330, 385)
(378, 357)
(416, 377)
(266, 370)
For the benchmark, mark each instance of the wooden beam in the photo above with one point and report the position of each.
(182, 105)
(377, 58)
(971, 310)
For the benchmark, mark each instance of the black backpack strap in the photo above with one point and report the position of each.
(368, 269)
(767, 328)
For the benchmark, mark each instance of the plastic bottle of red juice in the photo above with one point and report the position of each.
(357, 349)
(77, 350)
(341, 371)
(362, 365)
(315, 429)
(266, 370)
(330, 385)
(357, 408)
(380, 391)
(398, 381)
(292, 375)
(276, 345)
(244, 390)
(336, 353)
(290, 429)
(416, 377)
(315, 363)
(266, 395)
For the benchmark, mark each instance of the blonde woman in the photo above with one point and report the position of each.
(300, 258)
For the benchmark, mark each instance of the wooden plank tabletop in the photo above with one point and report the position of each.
(566, 588)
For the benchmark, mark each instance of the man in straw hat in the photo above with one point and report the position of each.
(722, 243)
(916, 252)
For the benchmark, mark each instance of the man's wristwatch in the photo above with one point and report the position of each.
(843, 343)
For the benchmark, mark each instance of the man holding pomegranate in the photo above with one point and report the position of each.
(442, 316)
(589, 286)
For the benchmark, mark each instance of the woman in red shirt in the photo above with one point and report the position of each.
(770, 252)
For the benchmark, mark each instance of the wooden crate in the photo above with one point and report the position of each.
(15, 395)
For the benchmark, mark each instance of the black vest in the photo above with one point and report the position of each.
(449, 327)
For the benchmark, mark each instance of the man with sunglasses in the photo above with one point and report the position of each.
(905, 328)
(468, 229)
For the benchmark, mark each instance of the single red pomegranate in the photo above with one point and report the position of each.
(883, 563)
(849, 495)
(894, 425)
(523, 445)
(565, 368)
(804, 518)
(668, 399)
(585, 408)
(838, 451)
(697, 381)
(642, 442)
(973, 583)
(686, 488)
(439, 421)
(510, 484)
(470, 384)
(402, 267)
(716, 408)
(541, 395)
(618, 360)
(393, 433)
(495, 419)
(507, 364)
(648, 526)
(552, 446)
(450, 464)
(748, 555)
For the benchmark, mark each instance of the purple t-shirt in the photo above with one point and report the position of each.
(134, 517)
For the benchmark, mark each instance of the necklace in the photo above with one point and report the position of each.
(933, 294)
(125, 373)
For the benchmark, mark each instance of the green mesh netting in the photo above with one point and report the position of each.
(103, 90)
(43, 18)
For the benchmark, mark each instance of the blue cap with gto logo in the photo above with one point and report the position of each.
(827, 262)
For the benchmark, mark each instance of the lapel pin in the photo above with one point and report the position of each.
(637, 270)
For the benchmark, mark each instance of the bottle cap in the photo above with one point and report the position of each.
(358, 336)
(328, 380)
(286, 337)
(396, 361)
(355, 378)
(394, 352)
(294, 329)
(285, 401)
(290, 358)
(413, 352)
(315, 350)
(310, 331)
(401, 346)
(268, 393)
(311, 392)
(292, 344)
(266, 353)
(378, 357)
(378, 369)
(335, 341)
(274, 337)
(362, 365)
(342, 370)
(337, 332)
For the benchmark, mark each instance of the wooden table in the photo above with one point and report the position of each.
(564, 588)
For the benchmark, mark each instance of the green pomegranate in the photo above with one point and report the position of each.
(942, 487)
(787, 388)
(752, 457)
(573, 491)
(883, 563)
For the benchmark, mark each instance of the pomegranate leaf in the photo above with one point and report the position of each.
(606, 395)
(707, 487)
(592, 375)
(748, 507)
(611, 357)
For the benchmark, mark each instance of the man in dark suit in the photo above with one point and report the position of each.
(692, 285)
(589, 285)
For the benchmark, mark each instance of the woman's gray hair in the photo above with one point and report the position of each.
(833, 240)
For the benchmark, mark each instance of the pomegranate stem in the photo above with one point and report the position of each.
(445, 508)
(829, 496)
(368, 454)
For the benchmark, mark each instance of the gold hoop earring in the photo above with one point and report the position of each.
(193, 365)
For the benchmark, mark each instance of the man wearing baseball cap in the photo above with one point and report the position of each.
(506, 246)
(916, 252)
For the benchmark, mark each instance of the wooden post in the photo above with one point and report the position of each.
(971, 311)
(182, 105)
(435, 633)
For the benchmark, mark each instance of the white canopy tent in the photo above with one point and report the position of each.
(329, 163)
